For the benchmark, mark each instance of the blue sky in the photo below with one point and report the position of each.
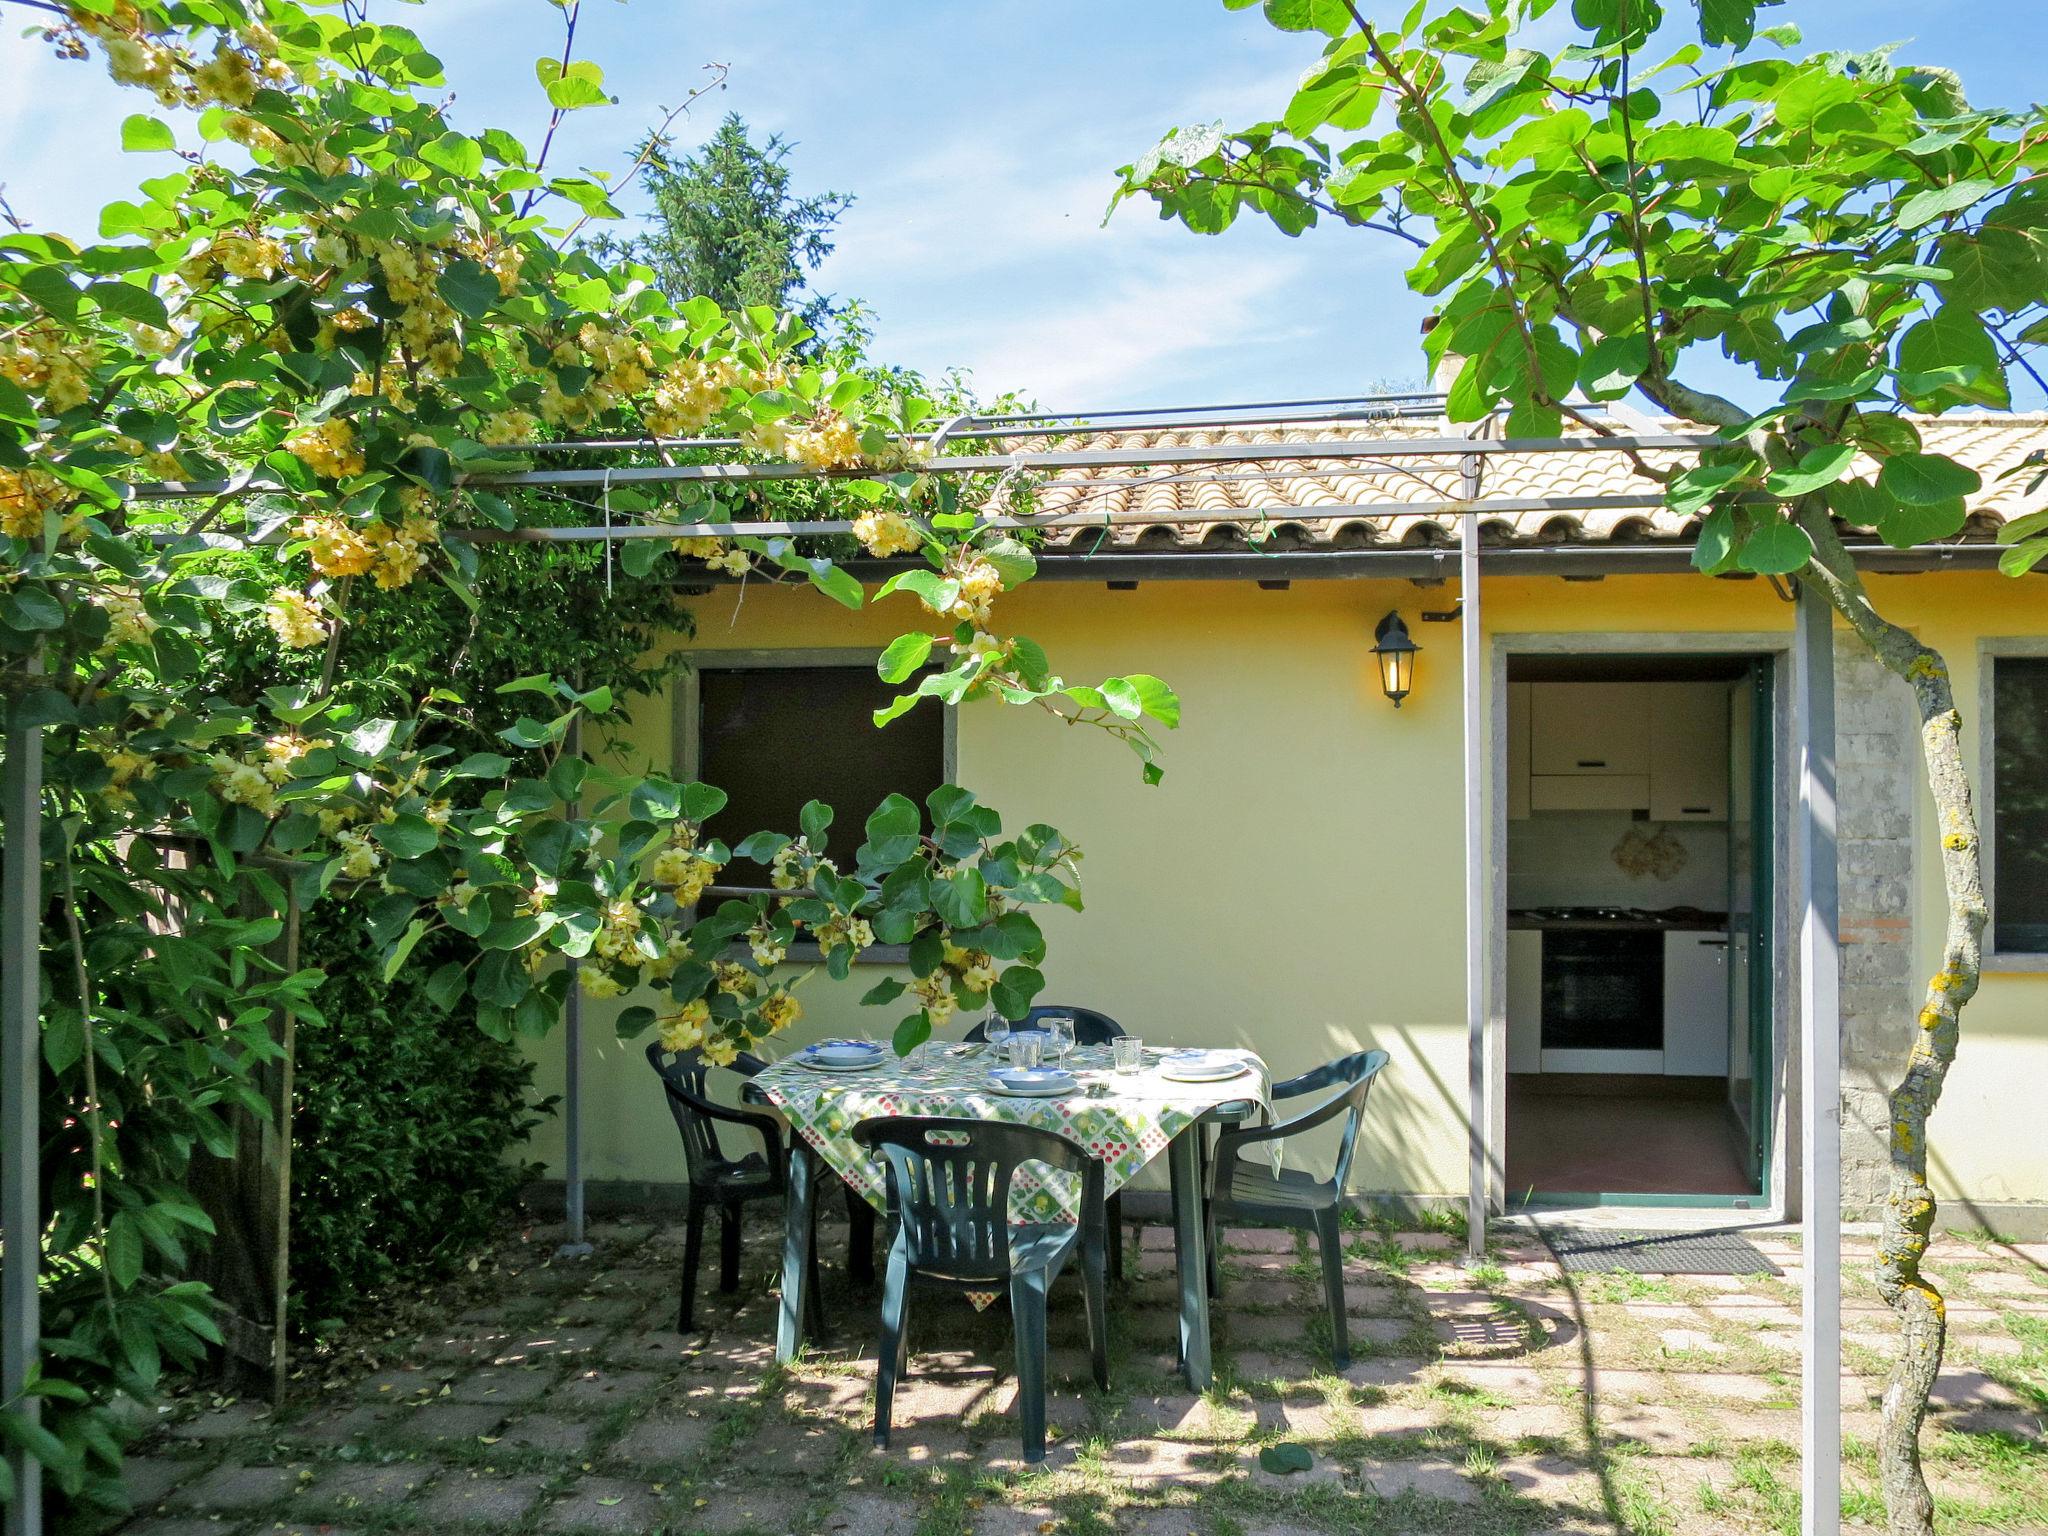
(980, 142)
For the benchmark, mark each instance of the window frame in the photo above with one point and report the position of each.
(1989, 653)
(686, 746)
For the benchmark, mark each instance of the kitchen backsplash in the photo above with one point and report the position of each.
(1567, 858)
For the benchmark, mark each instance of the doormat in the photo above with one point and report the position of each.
(1606, 1251)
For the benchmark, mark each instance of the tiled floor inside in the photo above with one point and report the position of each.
(1648, 1141)
(540, 1395)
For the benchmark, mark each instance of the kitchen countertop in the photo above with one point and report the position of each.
(1649, 922)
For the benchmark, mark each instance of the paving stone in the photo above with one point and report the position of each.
(769, 1511)
(1180, 1415)
(1971, 1389)
(1154, 1465)
(1016, 1520)
(441, 1423)
(607, 1504)
(214, 1424)
(1272, 1332)
(502, 1386)
(1538, 1421)
(173, 1525)
(342, 1426)
(302, 1528)
(370, 1486)
(146, 1479)
(1656, 1425)
(536, 1344)
(944, 1397)
(1509, 1381)
(1689, 1341)
(1382, 1371)
(234, 1486)
(1251, 1240)
(1165, 1521)
(1309, 1419)
(660, 1442)
(1427, 1479)
(464, 1343)
(795, 1450)
(1727, 1387)
(1426, 1242)
(836, 1397)
(400, 1383)
(458, 1499)
(868, 1514)
(1549, 1480)
(927, 1445)
(1264, 1291)
(547, 1434)
(1363, 1299)
(596, 1389)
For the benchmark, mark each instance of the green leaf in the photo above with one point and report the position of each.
(1155, 698)
(1775, 548)
(407, 837)
(124, 1250)
(414, 932)
(815, 819)
(468, 286)
(1906, 524)
(1012, 994)
(1927, 479)
(141, 133)
(1950, 359)
(1287, 1457)
(1327, 16)
(30, 610)
(1933, 203)
(835, 583)
(904, 655)
(1700, 484)
(887, 990)
(456, 154)
(1816, 469)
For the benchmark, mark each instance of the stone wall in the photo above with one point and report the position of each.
(1878, 767)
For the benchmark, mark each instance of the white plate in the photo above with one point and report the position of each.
(830, 1066)
(1052, 1088)
(1201, 1066)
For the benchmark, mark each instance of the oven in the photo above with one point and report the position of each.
(1603, 992)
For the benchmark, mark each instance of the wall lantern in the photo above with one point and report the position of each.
(1396, 653)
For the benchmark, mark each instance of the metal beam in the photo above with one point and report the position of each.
(1820, 1072)
(21, 794)
(1473, 698)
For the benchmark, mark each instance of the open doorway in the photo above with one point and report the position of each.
(1639, 968)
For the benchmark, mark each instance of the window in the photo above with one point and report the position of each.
(2019, 806)
(773, 737)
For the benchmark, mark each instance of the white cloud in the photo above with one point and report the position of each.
(1071, 351)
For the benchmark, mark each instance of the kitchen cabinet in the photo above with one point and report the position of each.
(1695, 1004)
(1689, 752)
(1518, 751)
(1589, 792)
(1596, 729)
(1525, 1000)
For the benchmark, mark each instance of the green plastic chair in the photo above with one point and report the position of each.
(1091, 1027)
(949, 1203)
(1252, 1194)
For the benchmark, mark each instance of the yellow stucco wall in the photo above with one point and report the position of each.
(1296, 884)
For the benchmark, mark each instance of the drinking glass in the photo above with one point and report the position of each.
(996, 1031)
(1059, 1036)
(1130, 1053)
(1026, 1047)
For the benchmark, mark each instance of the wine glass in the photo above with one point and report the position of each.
(1059, 1030)
(996, 1031)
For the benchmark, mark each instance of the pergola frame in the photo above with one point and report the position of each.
(1818, 1024)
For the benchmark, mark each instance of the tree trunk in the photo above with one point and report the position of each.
(1909, 1203)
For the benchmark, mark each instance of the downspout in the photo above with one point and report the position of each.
(1474, 698)
(21, 801)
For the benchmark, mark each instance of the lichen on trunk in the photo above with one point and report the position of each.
(1909, 1202)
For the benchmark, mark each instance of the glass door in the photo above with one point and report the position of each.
(1751, 866)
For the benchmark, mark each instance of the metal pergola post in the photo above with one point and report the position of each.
(21, 793)
(575, 1241)
(1820, 1073)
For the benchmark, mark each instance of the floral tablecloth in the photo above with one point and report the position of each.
(1124, 1119)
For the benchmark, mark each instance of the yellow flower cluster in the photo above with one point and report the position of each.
(294, 619)
(618, 937)
(682, 868)
(715, 553)
(884, 533)
(401, 551)
(128, 623)
(688, 396)
(975, 968)
(734, 979)
(767, 948)
(684, 1029)
(508, 426)
(979, 584)
(243, 783)
(779, 1010)
(935, 993)
(393, 555)
(839, 931)
(828, 442)
(328, 448)
(360, 858)
(43, 360)
(596, 981)
(282, 753)
(25, 496)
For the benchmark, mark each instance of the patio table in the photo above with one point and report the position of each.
(1124, 1119)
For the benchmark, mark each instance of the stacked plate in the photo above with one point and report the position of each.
(1033, 1082)
(1194, 1066)
(841, 1056)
